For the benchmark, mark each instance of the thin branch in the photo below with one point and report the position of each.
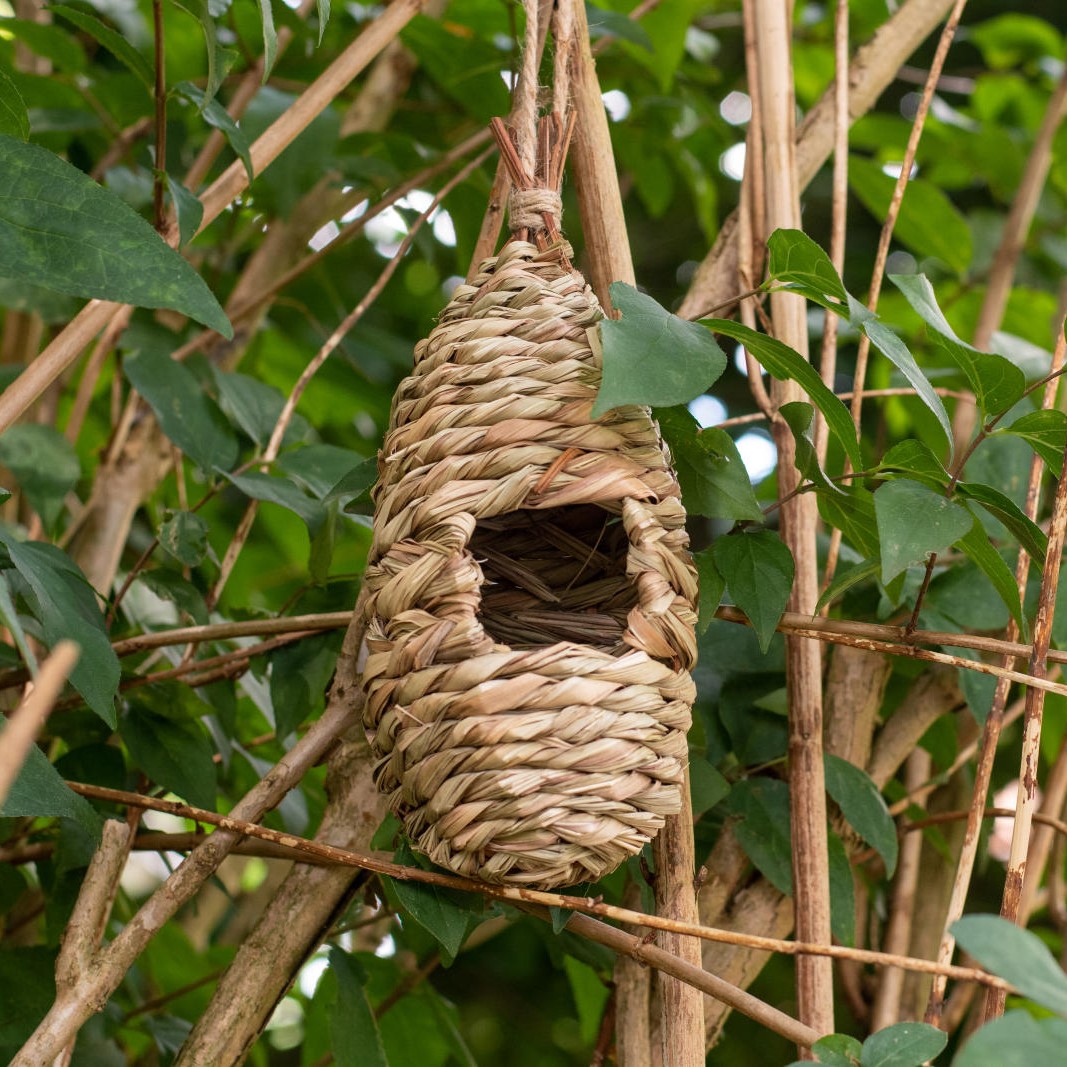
(28, 718)
(234, 825)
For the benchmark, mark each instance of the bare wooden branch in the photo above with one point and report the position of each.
(28, 718)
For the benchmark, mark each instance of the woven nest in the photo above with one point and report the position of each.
(529, 594)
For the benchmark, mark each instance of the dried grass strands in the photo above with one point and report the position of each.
(530, 609)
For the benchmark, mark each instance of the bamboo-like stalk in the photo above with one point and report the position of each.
(807, 792)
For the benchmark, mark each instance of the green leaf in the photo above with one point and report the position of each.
(355, 1038)
(763, 829)
(255, 407)
(44, 464)
(894, 349)
(794, 258)
(167, 585)
(903, 1045)
(61, 230)
(440, 912)
(14, 120)
(354, 485)
(914, 521)
(928, 224)
(712, 586)
(188, 209)
(323, 9)
(914, 459)
(863, 807)
(48, 41)
(184, 536)
(853, 514)
(590, 995)
(710, 471)
(9, 617)
(799, 418)
(844, 580)
(27, 991)
(707, 786)
(174, 753)
(282, 491)
(1017, 955)
(66, 606)
(784, 363)
(216, 115)
(299, 674)
(270, 38)
(976, 546)
(219, 59)
(686, 358)
(1003, 508)
(39, 792)
(1015, 1040)
(837, 1050)
(115, 43)
(187, 415)
(842, 892)
(321, 468)
(996, 382)
(603, 23)
(758, 570)
(1046, 433)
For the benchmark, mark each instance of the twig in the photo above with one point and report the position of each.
(807, 792)
(1026, 802)
(26, 720)
(235, 825)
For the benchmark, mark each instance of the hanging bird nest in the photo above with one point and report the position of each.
(530, 596)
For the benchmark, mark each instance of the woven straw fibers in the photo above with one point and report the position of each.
(529, 594)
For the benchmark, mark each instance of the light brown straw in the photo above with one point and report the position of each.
(530, 593)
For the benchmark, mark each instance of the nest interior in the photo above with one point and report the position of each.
(555, 575)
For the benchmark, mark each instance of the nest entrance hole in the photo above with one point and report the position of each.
(555, 575)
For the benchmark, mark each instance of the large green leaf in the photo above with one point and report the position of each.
(299, 674)
(799, 418)
(996, 382)
(1046, 433)
(1004, 509)
(66, 606)
(783, 362)
(45, 465)
(794, 258)
(928, 223)
(652, 357)
(710, 470)
(903, 1045)
(441, 912)
(114, 42)
(758, 570)
(355, 1038)
(975, 544)
(914, 459)
(914, 521)
(863, 807)
(1015, 1040)
(187, 415)
(14, 120)
(39, 792)
(712, 586)
(61, 230)
(1017, 955)
(175, 753)
(288, 494)
(763, 828)
(894, 349)
(853, 514)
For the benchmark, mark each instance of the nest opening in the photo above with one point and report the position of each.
(555, 575)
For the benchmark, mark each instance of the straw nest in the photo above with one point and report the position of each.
(529, 594)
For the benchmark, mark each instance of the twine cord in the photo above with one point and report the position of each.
(525, 107)
(527, 208)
